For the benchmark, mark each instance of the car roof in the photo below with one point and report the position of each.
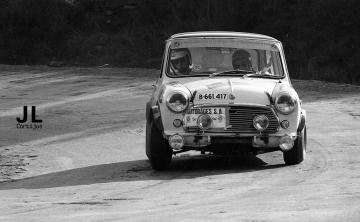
(223, 34)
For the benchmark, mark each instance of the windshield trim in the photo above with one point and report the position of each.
(167, 68)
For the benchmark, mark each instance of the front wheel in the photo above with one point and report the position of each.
(157, 148)
(297, 154)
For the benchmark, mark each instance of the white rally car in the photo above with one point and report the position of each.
(220, 92)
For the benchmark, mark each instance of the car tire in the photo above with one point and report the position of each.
(298, 153)
(157, 148)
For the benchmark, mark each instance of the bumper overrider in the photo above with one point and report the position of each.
(229, 125)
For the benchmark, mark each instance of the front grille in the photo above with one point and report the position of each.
(241, 119)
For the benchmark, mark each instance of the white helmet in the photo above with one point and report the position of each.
(180, 60)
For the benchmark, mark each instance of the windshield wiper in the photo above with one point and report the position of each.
(263, 75)
(234, 71)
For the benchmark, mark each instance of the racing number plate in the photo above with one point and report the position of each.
(218, 116)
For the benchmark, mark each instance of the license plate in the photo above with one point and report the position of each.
(218, 116)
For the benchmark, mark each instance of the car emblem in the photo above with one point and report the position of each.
(231, 96)
(176, 44)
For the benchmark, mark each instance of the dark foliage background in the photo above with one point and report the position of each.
(321, 37)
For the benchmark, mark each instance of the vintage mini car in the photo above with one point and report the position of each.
(220, 92)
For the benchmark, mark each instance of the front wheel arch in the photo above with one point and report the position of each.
(298, 153)
(157, 148)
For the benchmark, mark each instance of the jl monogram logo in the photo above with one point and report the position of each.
(35, 123)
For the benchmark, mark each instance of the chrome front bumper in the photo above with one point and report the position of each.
(256, 140)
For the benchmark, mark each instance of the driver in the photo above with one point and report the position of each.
(241, 60)
(180, 61)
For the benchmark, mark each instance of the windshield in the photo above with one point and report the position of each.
(194, 59)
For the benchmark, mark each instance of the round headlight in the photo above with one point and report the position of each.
(177, 102)
(204, 122)
(286, 143)
(285, 103)
(261, 122)
(176, 142)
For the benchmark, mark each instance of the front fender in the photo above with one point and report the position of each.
(148, 114)
(302, 120)
(153, 115)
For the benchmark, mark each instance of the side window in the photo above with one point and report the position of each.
(276, 61)
(269, 62)
(162, 63)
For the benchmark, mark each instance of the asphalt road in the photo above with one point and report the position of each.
(87, 162)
